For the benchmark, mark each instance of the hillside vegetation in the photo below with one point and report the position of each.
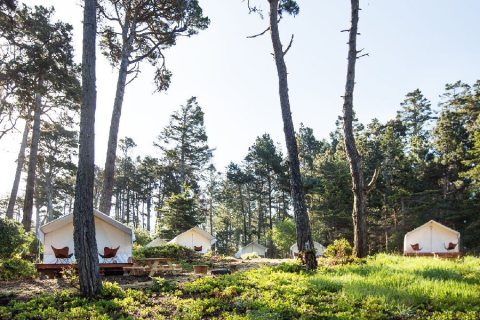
(381, 287)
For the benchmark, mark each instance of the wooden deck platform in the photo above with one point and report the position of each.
(54, 270)
(446, 255)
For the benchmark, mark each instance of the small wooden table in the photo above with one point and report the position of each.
(153, 266)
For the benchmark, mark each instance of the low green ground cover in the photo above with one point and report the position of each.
(381, 287)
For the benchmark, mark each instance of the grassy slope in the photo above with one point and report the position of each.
(385, 287)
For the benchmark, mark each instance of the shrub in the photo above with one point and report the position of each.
(292, 267)
(166, 251)
(70, 275)
(16, 269)
(249, 256)
(111, 290)
(340, 251)
(163, 285)
(13, 239)
(142, 237)
(283, 235)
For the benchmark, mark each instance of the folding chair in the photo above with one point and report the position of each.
(62, 255)
(109, 255)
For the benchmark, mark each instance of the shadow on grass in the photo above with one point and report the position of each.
(443, 274)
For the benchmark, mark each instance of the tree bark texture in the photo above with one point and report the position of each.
(86, 252)
(302, 223)
(109, 172)
(354, 158)
(18, 171)
(32, 161)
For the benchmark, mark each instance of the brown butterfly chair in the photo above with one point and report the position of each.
(109, 254)
(450, 246)
(198, 249)
(62, 255)
(416, 247)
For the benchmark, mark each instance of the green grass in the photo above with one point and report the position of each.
(381, 287)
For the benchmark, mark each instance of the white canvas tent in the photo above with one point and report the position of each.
(432, 237)
(109, 233)
(157, 242)
(195, 237)
(319, 249)
(252, 247)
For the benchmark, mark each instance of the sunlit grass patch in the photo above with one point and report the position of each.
(409, 282)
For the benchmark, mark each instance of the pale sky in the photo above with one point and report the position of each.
(412, 44)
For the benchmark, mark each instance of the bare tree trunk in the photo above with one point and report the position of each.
(354, 159)
(260, 216)
(109, 172)
(86, 252)
(49, 198)
(304, 236)
(149, 211)
(249, 210)
(182, 156)
(18, 171)
(244, 214)
(37, 219)
(128, 206)
(32, 161)
(270, 224)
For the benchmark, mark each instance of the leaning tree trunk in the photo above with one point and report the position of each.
(354, 159)
(302, 223)
(18, 171)
(109, 172)
(32, 161)
(85, 243)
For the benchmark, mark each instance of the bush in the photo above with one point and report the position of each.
(283, 235)
(142, 237)
(16, 269)
(340, 251)
(166, 251)
(111, 290)
(249, 256)
(162, 285)
(13, 239)
(290, 267)
(70, 275)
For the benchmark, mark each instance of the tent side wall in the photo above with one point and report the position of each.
(106, 235)
(192, 238)
(319, 249)
(431, 238)
(421, 236)
(109, 236)
(252, 249)
(59, 238)
(441, 237)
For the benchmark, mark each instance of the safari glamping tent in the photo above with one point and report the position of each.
(157, 242)
(319, 249)
(110, 234)
(432, 238)
(196, 239)
(252, 247)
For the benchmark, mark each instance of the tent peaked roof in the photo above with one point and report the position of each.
(255, 243)
(433, 222)
(67, 219)
(315, 243)
(200, 231)
(156, 242)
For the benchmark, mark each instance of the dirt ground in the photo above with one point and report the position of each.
(27, 288)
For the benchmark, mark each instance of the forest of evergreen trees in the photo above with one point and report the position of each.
(427, 157)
